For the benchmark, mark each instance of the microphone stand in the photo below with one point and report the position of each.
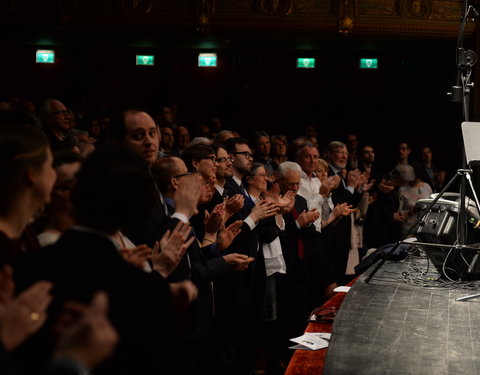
(465, 60)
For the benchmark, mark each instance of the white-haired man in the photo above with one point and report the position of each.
(304, 249)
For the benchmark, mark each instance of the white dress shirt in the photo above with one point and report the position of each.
(310, 190)
(220, 189)
(272, 252)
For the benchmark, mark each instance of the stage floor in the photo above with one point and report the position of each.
(406, 322)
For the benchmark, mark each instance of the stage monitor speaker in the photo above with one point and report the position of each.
(439, 226)
(475, 167)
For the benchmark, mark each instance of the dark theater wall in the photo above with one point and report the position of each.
(260, 88)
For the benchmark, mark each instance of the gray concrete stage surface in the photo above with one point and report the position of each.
(406, 321)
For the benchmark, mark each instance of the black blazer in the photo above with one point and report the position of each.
(150, 229)
(140, 306)
(342, 195)
(339, 242)
(232, 189)
(202, 265)
(290, 241)
(234, 291)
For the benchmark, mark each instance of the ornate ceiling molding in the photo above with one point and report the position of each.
(415, 9)
(382, 18)
(273, 7)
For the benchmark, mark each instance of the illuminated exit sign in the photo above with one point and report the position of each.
(368, 63)
(306, 62)
(46, 56)
(147, 60)
(208, 60)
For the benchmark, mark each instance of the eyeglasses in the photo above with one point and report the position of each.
(341, 152)
(63, 113)
(247, 154)
(222, 160)
(184, 174)
(261, 174)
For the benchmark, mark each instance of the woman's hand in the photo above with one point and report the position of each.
(263, 210)
(23, 315)
(227, 235)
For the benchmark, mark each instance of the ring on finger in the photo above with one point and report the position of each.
(34, 316)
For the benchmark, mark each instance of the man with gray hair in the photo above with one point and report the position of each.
(307, 157)
(286, 167)
(337, 157)
(56, 120)
(348, 191)
(289, 180)
(298, 247)
(309, 271)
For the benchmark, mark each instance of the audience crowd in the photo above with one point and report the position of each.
(130, 244)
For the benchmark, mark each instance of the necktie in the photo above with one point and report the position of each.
(249, 202)
(300, 244)
(170, 206)
(225, 194)
(339, 173)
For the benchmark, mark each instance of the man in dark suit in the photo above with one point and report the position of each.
(203, 265)
(223, 173)
(346, 192)
(242, 159)
(57, 121)
(234, 293)
(318, 258)
(137, 130)
(178, 192)
(299, 236)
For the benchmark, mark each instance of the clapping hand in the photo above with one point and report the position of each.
(385, 186)
(307, 217)
(137, 255)
(227, 235)
(172, 247)
(233, 205)
(23, 315)
(187, 195)
(90, 338)
(213, 221)
(263, 210)
(343, 209)
(238, 262)
(286, 201)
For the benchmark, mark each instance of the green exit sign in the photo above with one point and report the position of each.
(207, 60)
(368, 63)
(305, 62)
(145, 60)
(46, 56)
